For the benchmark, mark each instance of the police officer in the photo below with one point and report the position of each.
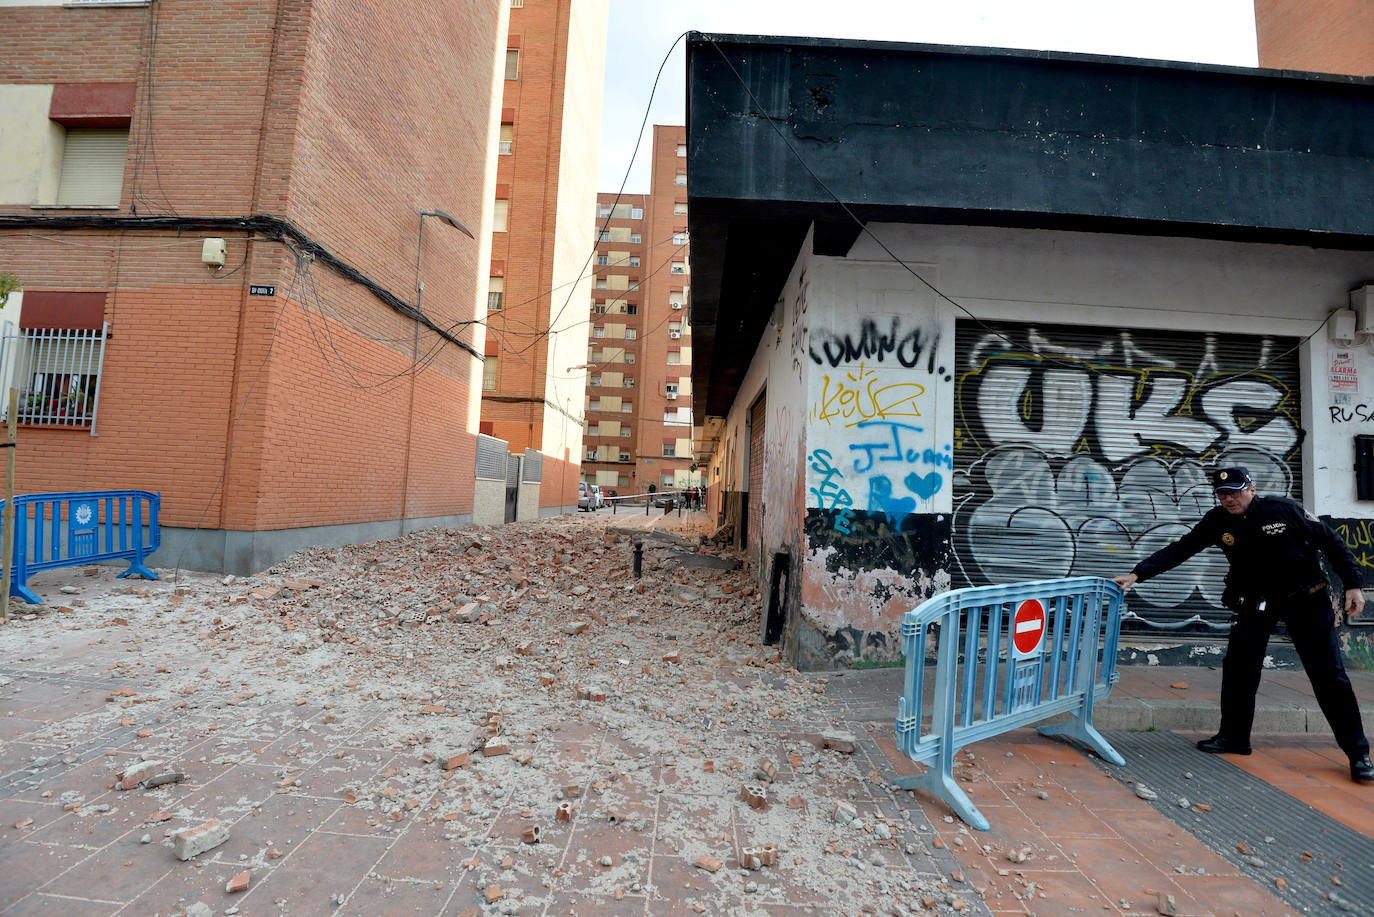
(1271, 544)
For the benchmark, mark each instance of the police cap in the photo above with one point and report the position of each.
(1235, 477)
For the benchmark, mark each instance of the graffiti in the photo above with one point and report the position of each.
(907, 348)
(1359, 413)
(799, 326)
(916, 543)
(1083, 456)
(865, 399)
(829, 494)
(1358, 535)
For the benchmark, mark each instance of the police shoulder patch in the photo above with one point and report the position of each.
(1310, 515)
(1228, 539)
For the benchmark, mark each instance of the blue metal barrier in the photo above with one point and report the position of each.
(62, 530)
(1071, 667)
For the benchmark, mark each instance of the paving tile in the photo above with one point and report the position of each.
(1122, 874)
(1227, 895)
(576, 904)
(315, 871)
(422, 852)
(44, 905)
(13, 728)
(281, 822)
(394, 898)
(28, 867)
(121, 871)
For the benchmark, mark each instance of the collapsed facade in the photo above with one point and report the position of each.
(970, 316)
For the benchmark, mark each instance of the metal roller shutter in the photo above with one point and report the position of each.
(1079, 451)
(757, 413)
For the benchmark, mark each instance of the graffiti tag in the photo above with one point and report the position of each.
(906, 347)
(865, 399)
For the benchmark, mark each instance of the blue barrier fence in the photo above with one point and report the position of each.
(62, 530)
(1008, 656)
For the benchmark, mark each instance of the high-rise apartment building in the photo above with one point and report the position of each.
(1328, 36)
(248, 283)
(540, 278)
(639, 382)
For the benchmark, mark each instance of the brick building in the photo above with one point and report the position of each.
(639, 390)
(322, 386)
(1330, 36)
(533, 388)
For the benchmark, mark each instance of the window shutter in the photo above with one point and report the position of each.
(93, 167)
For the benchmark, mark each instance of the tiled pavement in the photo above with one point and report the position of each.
(1090, 845)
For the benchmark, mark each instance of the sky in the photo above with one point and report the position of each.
(641, 32)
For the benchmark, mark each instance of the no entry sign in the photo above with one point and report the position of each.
(1028, 628)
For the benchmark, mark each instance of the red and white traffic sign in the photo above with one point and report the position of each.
(1028, 628)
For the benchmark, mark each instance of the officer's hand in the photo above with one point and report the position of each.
(1125, 580)
(1354, 602)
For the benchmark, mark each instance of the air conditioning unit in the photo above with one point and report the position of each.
(675, 334)
(677, 305)
(672, 396)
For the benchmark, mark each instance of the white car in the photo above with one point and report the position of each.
(599, 495)
(586, 500)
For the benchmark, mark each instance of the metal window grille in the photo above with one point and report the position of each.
(534, 466)
(491, 457)
(57, 372)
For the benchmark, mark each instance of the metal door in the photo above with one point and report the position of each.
(512, 486)
(757, 413)
(1080, 451)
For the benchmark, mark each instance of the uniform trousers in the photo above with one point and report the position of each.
(1311, 624)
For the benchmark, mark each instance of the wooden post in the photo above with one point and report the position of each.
(7, 520)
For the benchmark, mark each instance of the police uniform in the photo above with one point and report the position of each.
(1275, 575)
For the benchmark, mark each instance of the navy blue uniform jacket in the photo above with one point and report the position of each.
(1272, 549)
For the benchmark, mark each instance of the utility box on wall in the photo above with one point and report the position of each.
(1364, 467)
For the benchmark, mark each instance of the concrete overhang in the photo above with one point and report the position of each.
(786, 132)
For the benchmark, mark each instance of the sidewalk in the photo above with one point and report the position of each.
(1282, 831)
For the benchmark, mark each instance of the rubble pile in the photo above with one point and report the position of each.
(522, 683)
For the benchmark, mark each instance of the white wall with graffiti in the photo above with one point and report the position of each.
(1055, 415)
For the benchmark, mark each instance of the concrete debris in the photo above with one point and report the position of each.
(1144, 792)
(838, 741)
(191, 842)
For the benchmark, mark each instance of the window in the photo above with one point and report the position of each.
(600, 283)
(631, 334)
(680, 179)
(489, 373)
(496, 287)
(56, 356)
(635, 237)
(591, 453)
(603, 260)
(678, 267)
(598, 332)
(625, 432)
(603, 211)
(626, 407)
(674, 357)
(517, 4)
(631, 309)
(682, 149)
(594, 381)
(604, 237)
(629, 381)
(629, 358)
(670, 450)
(670, 388)
(633, 286)
(93, 167)
(634, 261)
(507, 138)
(598, 308)
(636, 213)
(679, 238)
(624, 481)
(512, 63)
(680, 207)
(499, 216)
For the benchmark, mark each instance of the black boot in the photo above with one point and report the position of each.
(1362, 770)
(1217, 745)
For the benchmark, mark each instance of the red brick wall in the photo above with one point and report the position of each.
(365, 119)
(540, 30)
(1330, 36)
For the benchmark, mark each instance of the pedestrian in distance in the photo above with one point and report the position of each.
(1271, 544)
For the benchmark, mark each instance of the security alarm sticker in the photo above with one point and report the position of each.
(1343, 375)
(1028, 629)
